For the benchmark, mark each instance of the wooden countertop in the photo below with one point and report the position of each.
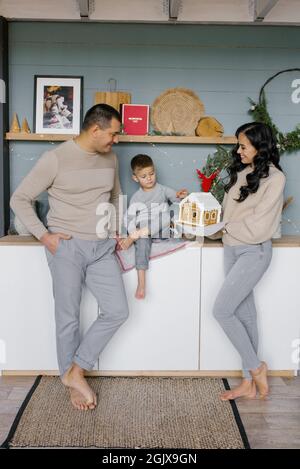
(15, 240)
(291, 241)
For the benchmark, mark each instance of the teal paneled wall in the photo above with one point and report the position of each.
(224, 65)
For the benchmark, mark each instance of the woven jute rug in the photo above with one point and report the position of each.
(132, 412)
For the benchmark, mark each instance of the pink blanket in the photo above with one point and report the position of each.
(161, 248)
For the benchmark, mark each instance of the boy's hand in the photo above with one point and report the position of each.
(124, 243)
(181, 194)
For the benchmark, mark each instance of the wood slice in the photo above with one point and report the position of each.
(177, 110)
(209, 127)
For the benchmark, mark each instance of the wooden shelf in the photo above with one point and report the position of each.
(173, 139)
(128, 138)
(38, 137)
(17, 240)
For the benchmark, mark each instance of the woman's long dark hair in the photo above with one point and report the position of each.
(261, 137)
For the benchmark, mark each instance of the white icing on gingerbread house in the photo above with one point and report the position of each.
(199, 209)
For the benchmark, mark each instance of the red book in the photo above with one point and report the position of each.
(135, 119)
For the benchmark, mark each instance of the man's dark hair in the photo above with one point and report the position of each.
(100, 114)
(141, 162)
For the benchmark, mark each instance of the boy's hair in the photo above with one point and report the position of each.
(100, 114)
(141, 162)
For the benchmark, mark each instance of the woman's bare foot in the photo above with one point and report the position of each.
(77, 399)
(141, 288)
(246, 389)
(75, 380)
(261, 380)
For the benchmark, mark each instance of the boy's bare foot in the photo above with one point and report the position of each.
(141, 287)
(246, 389)
(74, 379)
(125, 243)
(260, 378)
(144, 232)
(140, 292)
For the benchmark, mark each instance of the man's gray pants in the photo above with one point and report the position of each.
(234, 307)
(74, 263)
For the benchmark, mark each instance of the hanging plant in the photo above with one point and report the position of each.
(214, 174)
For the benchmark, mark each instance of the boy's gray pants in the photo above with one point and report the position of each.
(142, 253)
(143, 248)
(234, 307)
(74, 263)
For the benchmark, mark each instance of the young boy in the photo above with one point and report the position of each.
(148, 215)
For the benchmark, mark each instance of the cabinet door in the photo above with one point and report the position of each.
(27, 309)
(162, 332)
(27, 325)
(278, 309)
(216, 351)
(278, 304)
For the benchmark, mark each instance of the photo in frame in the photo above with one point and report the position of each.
(57, 104)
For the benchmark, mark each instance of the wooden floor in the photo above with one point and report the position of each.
(273, 423)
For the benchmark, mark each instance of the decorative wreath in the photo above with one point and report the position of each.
(288, 142)
(221, 159)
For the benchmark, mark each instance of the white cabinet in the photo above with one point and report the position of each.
(277, 300)
(27, 326)
(162, 332)
(27, 314)
(172, 329)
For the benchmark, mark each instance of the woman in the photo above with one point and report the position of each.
(251, 211)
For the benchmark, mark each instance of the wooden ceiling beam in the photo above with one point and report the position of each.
(261, 8)
(174, 9)
(84, 8)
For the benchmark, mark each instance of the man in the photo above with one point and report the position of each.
(79, 175)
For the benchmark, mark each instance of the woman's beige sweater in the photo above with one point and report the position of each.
(256, 219)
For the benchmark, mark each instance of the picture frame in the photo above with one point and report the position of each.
(58, 104)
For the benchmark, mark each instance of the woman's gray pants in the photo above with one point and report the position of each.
(234, 307)
(75, 263)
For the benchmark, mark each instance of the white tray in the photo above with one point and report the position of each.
(199, 230)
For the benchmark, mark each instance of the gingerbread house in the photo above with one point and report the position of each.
(199, 209)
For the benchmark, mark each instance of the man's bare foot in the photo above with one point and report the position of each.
(74, 379)
(260, 378)
(77, 399)
(246, 389)
(140, 292)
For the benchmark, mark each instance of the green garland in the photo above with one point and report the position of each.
(287, 142)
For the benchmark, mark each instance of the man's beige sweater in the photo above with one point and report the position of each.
(77, 182)
(256, 219)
